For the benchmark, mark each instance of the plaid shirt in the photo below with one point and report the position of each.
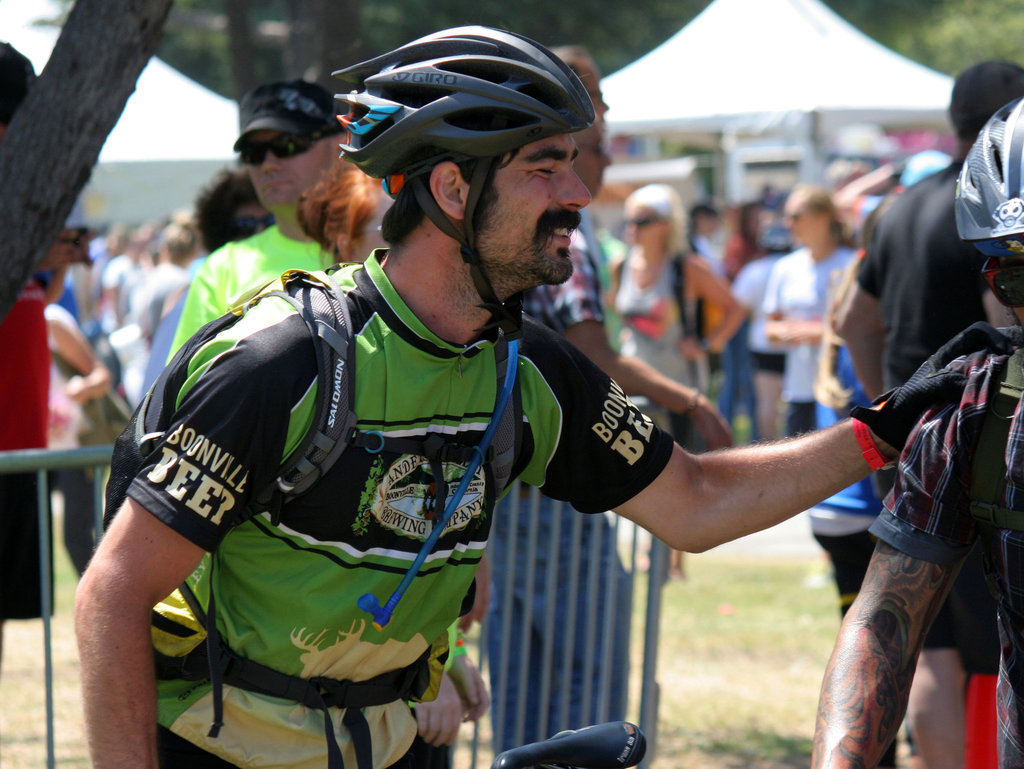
(928, 516)
(576, 300)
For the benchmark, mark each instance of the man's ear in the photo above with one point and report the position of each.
(449, 189)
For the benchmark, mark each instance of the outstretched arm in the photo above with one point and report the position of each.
(700, 501)
(867, 681)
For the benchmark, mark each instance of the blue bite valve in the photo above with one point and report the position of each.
(381, 614)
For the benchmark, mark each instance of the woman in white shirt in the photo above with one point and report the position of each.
(795, 301)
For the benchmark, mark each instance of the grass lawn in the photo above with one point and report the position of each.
(743, 645)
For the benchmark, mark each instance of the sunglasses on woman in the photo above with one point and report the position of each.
(643, 221)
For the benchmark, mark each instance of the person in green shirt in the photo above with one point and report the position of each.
(288, 141)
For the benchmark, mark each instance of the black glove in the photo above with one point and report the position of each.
(893, 414)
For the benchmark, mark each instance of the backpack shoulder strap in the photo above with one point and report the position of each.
(988, 467)
(324, 307)
(508, 436)
(688, 318)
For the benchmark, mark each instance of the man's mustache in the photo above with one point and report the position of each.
(556, 219)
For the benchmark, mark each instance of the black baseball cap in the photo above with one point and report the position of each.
(979, 91)
(16, 75)
(294, 106)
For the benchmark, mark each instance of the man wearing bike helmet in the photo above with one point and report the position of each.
(471, 129)
(943, 500)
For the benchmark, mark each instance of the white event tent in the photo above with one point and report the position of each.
(170, 140)
(791, 69)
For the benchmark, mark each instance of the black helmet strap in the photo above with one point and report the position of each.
(504, 315)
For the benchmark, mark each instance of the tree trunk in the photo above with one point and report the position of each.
(301, 26)
(240, 47)
(56, 136)
(338, 41)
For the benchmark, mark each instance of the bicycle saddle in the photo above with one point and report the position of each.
(614, 745)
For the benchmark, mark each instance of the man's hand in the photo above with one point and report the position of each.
(70, 247)
(894, 414)
(471, 687)
(438, 721)
(711, 424)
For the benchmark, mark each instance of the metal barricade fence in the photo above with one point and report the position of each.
(580, 572)
(562, 607)
(41, 462)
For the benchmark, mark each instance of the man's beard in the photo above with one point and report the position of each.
(552, 271)
(533, 266)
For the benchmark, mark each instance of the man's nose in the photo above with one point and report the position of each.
(576, 195)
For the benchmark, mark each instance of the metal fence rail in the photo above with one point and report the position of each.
(583, 628)
(563, 598)
(41, 462)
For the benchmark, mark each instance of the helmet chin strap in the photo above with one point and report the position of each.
(507, 316)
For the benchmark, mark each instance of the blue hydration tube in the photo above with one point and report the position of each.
(368, 601)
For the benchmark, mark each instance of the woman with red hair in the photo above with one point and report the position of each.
(342, 212)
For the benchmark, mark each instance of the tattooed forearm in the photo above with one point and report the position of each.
(867, 681)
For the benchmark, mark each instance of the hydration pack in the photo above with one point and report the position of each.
(988, 467)
(186, 642)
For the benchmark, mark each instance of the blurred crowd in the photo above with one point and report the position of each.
(135, 275)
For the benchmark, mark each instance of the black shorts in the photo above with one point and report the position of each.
(20, 582)
(967, 620)
(178, 753)
(772, 362)
(850, 555)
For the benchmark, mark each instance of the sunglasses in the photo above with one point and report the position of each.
(283, 146)
(1007, 283)
(644, 221)
(244, 226)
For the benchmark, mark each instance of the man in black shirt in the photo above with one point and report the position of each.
(919, 285)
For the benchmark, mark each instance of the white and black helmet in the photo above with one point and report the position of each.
(462, 93)
(990, 190)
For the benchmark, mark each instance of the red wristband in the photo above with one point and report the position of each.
(868, 448)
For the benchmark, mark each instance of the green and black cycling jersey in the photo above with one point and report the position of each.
(286, 592)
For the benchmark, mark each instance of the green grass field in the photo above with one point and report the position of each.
(743, 645)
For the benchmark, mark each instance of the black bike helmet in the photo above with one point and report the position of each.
(989, 204)
(468, 92)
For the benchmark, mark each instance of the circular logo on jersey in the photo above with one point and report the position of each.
(407, 502)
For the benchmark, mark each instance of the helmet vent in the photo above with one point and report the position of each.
(487, 120)
(416, 97)
(492, 73)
